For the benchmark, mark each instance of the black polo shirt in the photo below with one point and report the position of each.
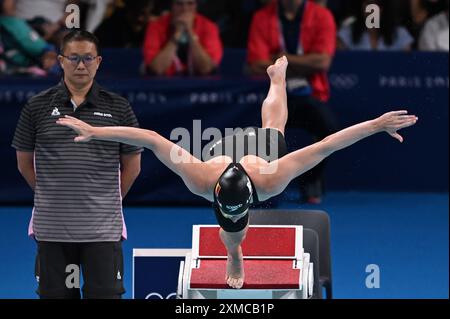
(77, 196)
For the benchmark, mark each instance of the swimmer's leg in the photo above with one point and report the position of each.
(274, 111)
(235, 262)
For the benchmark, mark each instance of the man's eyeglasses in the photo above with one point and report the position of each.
(76, 59)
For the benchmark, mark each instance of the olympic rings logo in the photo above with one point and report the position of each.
(155, 295)
(344, 81)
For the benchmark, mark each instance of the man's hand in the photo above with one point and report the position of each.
(183, 23)
(275, 57)
(391, 122)
(85, 131)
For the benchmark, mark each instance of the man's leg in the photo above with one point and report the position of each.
(235, 262)
(318, 119)
(274, 111)
(324, 125)
(102, 265)
(57, 280)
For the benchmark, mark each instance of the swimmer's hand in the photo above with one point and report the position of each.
(85, 131)
(391, 122)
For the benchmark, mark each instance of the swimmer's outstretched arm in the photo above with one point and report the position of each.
(296, 163)
(193, 171)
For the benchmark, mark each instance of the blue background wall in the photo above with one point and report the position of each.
(364, 85)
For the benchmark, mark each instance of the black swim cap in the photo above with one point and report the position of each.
(233, 191)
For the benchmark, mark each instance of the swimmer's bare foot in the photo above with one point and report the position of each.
(235, 271)
(277, 71)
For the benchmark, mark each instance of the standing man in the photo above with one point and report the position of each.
(305, 33)
(78, 189)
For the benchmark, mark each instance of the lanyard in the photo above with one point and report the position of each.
(179, 66)
(281, 33)
(298, 86)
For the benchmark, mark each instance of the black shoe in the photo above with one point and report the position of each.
(312, 193)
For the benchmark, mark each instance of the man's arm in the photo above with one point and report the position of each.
(195, 173)
(309, 64)
(163, 60)
(203, 64)
(130, 167)
(158, 55)
(299, 65)
(25, 164)
(296, 163)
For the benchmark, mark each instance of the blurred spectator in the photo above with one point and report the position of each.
(417, 13)
(323, 3)
(182, 42)
(435, 34)
(161, 7)
(95, 11)
(354, 34)
(47, 17)
(7, 7)
(341, 9)
(126, 27)
(306, 33)
(232, 18)
(22, 50)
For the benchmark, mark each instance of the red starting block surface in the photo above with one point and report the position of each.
(259, 274)
(275, 265)
(260, 242)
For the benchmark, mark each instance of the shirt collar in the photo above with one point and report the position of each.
(92, 97)
(298, 14)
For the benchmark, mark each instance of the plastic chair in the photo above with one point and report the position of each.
(317, 220)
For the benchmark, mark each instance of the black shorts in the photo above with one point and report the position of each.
(58, 270)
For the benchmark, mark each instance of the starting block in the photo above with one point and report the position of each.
(275, 265)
